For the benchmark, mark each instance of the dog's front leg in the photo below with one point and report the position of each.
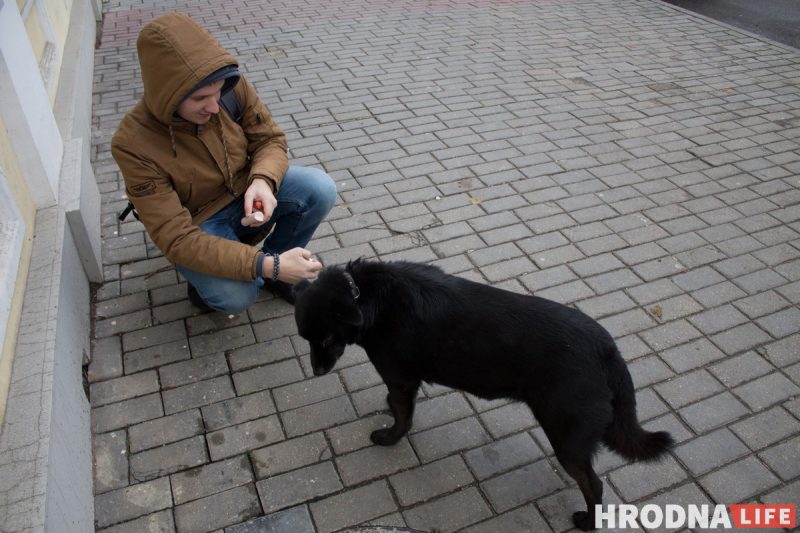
(401, 401)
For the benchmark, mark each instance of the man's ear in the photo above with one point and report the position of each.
(351, 315)
(300, 287)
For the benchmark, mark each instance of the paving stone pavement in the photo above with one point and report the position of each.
(624, 157)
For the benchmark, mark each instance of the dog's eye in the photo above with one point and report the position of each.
(327, 341)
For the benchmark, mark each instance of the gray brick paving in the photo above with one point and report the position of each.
(110, 461)
(218, 510)
(164, 430)
(297, 486)
(216, 477)
(626, 158)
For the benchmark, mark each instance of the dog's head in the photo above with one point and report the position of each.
(327, 315)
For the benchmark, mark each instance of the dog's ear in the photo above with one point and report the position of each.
(300, 287)
(350, 315)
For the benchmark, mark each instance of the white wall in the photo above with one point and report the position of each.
(27, 111)
(46, 480)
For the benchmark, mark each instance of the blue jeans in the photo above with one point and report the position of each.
(305, 197)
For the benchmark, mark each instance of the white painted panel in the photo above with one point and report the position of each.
(25, 105)
(12, 235)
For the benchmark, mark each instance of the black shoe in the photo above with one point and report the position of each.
(282, 290)
(195, 298)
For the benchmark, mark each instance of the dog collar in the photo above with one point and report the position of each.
(353, 287)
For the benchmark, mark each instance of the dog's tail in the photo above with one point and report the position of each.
(625, 436)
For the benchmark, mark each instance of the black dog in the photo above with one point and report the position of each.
(417, 324)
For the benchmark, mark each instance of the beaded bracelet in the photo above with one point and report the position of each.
(276, 265)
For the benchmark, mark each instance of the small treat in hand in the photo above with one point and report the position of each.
(254, 219)
(257, 216)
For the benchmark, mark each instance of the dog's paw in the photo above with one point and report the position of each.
(581, 521)
(383, 437)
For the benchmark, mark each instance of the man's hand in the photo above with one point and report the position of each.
(296, 265)
(258, 198)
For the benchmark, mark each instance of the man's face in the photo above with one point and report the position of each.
(199, 106)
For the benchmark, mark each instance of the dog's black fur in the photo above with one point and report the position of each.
(417, 324)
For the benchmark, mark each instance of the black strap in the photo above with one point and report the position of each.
(232, 106)
(125, 212)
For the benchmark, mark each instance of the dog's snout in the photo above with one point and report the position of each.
(323, 359)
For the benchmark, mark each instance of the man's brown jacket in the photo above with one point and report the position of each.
(178, 174)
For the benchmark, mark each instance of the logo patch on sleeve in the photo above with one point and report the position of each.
(143, 189)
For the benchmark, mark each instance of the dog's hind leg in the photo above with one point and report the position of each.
(574, 450)
(591, 488)
(401, 401)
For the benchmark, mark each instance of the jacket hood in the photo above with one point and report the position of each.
(176, 56)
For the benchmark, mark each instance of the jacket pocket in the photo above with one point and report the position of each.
(184, 191)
